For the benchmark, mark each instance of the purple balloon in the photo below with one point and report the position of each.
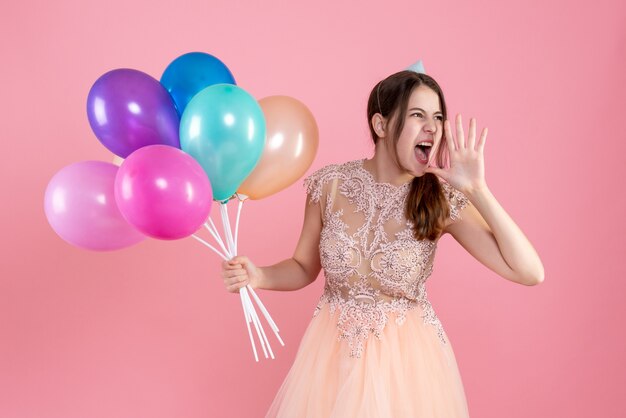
(80, 206)
(163, 192)
(128, 109)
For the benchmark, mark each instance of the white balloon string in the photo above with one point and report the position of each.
(265, 312)
(213, 231)
(267, 316)
(210, 246)
(258, 320)
(247, 318)
(246, 301)
(214, 228)
(226, 240)
(227, 231)
(239, 207)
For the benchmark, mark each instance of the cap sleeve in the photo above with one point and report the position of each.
(456, 200)
(313, 187)
(314, 184)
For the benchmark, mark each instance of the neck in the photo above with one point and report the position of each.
(384, 168)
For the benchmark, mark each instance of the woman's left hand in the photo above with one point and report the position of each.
(467, 166)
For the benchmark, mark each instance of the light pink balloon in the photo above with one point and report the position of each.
(163, 192)
(80, 206)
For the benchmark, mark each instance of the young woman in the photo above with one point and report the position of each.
(375, 347)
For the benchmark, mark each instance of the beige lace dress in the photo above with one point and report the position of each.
(375, 347)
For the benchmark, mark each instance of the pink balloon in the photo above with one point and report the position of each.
(80, 206)
(163, 192)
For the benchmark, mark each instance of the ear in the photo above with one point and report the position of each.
(379, 124)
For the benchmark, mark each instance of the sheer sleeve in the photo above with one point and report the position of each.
(314, 184)
(313, 187)
(456, 200)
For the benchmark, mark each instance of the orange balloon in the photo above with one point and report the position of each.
(117, 160)
(291, 143)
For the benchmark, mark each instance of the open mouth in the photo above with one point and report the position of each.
(422, 152)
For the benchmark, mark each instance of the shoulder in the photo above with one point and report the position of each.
(330, 172)
(315, 182)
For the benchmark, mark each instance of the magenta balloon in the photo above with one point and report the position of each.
(80, 206)
(163, 192)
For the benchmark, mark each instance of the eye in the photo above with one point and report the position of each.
(418, 114)
(439, 117)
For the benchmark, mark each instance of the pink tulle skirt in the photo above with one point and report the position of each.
(408, 372)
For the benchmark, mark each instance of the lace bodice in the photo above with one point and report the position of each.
(372, 263)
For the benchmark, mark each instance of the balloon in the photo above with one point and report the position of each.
(223, 128)
(117, 161)
(163, 192)
(80, 206)
(290, 147)
(128, 109)
(188, 74)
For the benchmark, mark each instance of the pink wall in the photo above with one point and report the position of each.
(150, 332)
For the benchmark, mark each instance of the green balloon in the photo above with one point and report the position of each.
(223, 128)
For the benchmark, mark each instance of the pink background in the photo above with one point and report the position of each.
(150, 331)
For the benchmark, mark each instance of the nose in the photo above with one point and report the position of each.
(430, 126)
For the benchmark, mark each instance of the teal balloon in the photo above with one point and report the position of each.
(223, 128)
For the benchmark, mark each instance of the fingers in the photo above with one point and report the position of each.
(227, 265)
(482, 140)
(461, 142)
(241, 259)
(234, 287)
(471, 139)
(235, 274)
(433, 154)
(460, 135)
(234, 280)
(449, 137)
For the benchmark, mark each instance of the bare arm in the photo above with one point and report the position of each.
(485, 230)
(291, 274)
(489, 234)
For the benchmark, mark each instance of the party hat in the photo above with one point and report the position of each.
(418, 67)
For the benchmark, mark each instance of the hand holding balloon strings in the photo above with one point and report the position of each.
(223, 128)
(229, 252)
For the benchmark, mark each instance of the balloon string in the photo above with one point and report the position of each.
(255, 320)
(268, 318)
(249, 288)
(247, 318)
(227, 231)
(265, 312)
(213, 230)
(210, 246)
(246, 304)
(237, 224)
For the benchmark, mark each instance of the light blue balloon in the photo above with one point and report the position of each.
(223, 128)
(190, 73)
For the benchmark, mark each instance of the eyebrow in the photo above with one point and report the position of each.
(418, 108)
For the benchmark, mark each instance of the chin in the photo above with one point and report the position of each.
(416, 172)
(417, 169)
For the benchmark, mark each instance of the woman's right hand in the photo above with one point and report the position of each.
(239, 272)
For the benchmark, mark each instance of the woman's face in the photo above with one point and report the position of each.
(423, 124)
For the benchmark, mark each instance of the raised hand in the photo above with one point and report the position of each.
(467, 166)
